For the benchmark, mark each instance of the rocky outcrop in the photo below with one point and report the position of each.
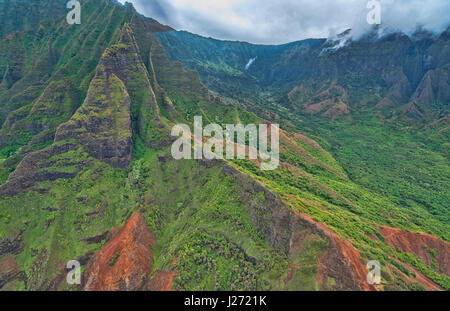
(332, 102)
(400, 88)
(102, 125)
(9, 268)
(161, 282)
(125, 61)
(433, 90)
(11, 245)
(125, 262)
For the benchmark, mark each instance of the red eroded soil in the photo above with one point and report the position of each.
(9, 271)
(8, 264)
(346, 250)
(124, 262)
(162, 281)
(114, 230)
(417, 243)
(419, 278)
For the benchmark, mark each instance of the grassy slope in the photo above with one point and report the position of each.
(207, 234)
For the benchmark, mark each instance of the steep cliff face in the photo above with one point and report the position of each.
(293, 233)
(172, 76)
(40, 52)
(331, 102)
(433, 93)
(41, 166)
(126, 62)
(170, 81)
(102, 125)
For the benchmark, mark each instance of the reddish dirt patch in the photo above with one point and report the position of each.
(444, 120)
(292, 268)
(332, 102)
(114, 230)
(125, 262)
(162, 281)
(422, 279)
(419, 277)
(8, 265)
(418, 243)
(9, 271)
(372, 237)
(345, 250)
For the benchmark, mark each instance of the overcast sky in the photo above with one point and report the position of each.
(281, 21)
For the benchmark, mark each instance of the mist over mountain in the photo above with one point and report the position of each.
(275, 22)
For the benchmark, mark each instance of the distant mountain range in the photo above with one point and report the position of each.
(395, 74)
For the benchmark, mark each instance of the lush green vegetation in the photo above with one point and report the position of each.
(211, 236)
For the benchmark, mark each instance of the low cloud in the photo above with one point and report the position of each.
(281, 21)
